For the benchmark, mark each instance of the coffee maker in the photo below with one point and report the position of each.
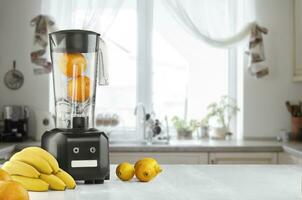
(78, 60)
(15, 123)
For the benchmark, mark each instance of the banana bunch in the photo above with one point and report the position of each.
(38, 170)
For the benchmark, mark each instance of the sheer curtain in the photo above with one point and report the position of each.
(211, 20)
(95, 15)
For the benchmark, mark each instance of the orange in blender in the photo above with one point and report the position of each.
(78, 89)
(72, 64)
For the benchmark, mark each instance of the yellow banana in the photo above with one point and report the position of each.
(66, 178)
(36, 161)
(31, 184)
(15, 167)
(54, 182)
(46, 155)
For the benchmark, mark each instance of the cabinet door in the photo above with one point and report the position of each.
(243, 158)
(162, 158)
(297, 74)
(287, 159)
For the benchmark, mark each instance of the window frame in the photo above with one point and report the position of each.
(144, 57)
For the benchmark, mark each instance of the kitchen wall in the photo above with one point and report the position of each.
(264, 110)
(264, 113)
(16, 39)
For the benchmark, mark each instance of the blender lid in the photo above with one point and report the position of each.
(74, 41)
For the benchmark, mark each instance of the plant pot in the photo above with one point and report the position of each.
(204, 132)
(296, 128)
(219, 133)
(184, 134)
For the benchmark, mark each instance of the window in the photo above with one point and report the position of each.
(119, 97)
(152, 60)
(187, 74)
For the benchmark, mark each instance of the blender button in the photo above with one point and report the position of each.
(92, 149)
(76, 150)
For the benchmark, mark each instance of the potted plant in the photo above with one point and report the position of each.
(222, 111)
(204, 128)
(184, 129)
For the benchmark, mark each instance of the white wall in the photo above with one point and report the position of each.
(264, 110)
(264, 100)
(16, 39)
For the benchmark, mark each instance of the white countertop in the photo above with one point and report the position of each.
(185, 182)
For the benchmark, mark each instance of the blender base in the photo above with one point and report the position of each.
(83, 153)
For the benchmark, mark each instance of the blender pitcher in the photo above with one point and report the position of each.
(77, 56)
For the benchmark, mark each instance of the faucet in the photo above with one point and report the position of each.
(141, 122)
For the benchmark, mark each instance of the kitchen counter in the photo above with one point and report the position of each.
(176, 146)
(179, 182)
(202, 146)
(294, 148)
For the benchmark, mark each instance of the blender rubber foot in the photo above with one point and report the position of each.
(98, 181)
(89, 181)
(107, 177)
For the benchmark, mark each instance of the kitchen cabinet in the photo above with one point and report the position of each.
(199, 158)
(297, 72)
(162, 158)
(243, 158)
(286, 158)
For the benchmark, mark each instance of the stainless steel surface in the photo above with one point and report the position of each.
(15, 113)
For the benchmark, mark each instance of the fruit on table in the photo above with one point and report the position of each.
(145, 172)
(34, 168)
(15, 167)
(34, 160)
(125, 171)
(146, 169)
(6, 188)
(149, 161)
(66, 178)
(54, 182)
(4, 176)
(31, 184)
(72, 64)
(44, 154)
(78, 89)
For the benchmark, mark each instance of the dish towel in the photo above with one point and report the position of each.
(256, 52)
(43, 25)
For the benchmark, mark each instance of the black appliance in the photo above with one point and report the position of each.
(78, 61)
(15, 123)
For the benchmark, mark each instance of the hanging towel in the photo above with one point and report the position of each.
(43, 25)
(256, 52)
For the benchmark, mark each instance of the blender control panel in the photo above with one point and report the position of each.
(83, 152)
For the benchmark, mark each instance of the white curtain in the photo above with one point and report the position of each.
(95, 15)
(210, 20)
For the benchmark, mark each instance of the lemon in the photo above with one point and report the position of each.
(145, 172)
(150, 161)
(125, 171)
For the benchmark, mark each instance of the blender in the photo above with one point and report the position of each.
(78, 60)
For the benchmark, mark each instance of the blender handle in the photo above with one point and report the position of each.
(103, 70)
